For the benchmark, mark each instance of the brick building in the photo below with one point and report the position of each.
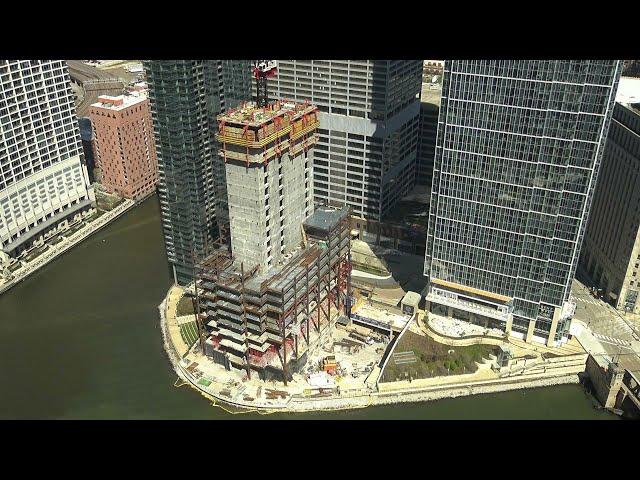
(124, 144)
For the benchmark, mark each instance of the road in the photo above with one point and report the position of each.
(617, 337)
(81, 72)
(84, 75)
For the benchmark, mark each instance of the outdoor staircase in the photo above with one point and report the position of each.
(550, 366)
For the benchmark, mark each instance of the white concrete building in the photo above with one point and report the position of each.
(43, 180)
(366, 153)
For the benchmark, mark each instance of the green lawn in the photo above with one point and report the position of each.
(189, 333)
(433, 359)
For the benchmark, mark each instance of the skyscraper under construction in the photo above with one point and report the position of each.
(268, 299)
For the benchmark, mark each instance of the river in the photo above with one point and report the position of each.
(80, 339)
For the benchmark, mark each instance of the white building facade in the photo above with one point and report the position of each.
(43, 180)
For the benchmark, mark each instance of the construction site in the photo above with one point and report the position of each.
(269, 294)
(267, 323)
(272, 296)
(278, 325)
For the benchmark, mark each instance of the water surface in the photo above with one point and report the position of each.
(80, 339)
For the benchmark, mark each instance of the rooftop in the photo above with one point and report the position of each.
(249, 114)
(120, 102)
(431, 93)
(411, 298)
(369, 312)
(326, 218)
(629, 91)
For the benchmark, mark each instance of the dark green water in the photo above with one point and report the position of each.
(80, 340)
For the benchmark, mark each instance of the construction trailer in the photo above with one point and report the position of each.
(266, 323)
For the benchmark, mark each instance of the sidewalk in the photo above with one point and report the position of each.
(67, 243)
(172, 321)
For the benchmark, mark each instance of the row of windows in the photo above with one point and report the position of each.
(599, 72)
(524, 93)
(44, 131)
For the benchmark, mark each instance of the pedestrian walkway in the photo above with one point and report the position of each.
(592, 301)
(69, 240)
(612, 340)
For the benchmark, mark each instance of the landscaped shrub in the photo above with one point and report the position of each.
(434, 359)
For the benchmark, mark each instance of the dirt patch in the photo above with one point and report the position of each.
(185, 306)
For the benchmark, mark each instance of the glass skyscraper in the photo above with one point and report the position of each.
(518, 148)
(186, 96)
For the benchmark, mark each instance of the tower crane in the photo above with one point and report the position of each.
(263, 69)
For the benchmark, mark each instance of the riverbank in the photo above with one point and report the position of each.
(81, 339)
(200, 373)
(67, 243)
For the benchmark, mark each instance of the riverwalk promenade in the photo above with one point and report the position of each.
(68, 242)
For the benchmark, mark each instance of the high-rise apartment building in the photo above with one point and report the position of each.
(124, 144)
(366, 154)
(237, 82)
(429, 108)
(186, 96)
(237, 79)
(611, 252)
(43, 181)
(518, 150)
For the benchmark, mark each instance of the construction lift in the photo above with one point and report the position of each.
(263, 69)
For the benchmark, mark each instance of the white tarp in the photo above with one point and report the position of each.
(321, 380)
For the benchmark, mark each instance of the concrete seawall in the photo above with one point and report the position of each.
(389, 393)
(75, 239)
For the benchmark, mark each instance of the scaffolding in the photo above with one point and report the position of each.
(268, 321)
(253, 134)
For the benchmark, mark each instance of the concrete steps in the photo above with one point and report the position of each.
(550, 367)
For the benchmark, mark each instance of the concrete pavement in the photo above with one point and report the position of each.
(69, 241)
(609, 333)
